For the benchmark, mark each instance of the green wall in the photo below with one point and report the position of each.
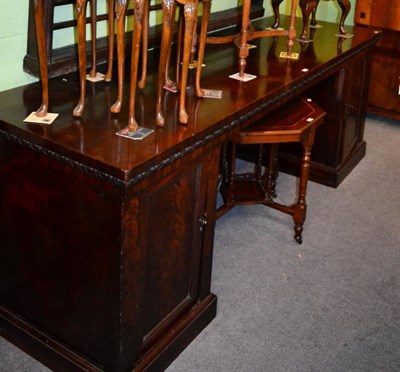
(14, 26)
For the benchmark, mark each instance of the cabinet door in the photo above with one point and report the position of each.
(174, 220)
(384, 92)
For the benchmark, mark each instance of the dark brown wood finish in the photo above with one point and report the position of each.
(384, 95)
(296, 121)
(106, 243)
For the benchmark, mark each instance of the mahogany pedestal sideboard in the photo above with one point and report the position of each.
(106, 243)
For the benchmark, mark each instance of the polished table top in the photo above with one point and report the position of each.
(92, 142)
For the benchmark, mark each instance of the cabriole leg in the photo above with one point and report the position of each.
(40, 36)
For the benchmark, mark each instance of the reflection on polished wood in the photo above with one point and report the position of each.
(106, 244)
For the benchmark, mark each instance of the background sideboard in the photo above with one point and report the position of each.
(384, 92)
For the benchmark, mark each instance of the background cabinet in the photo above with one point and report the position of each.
(384, 91)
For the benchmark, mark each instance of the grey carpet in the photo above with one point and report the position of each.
(331, 304)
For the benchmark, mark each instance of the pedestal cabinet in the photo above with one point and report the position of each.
(339, 143)
(116, 272)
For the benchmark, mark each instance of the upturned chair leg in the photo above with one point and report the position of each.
(136, 41)
(168, 14)
(120, 13)
(110, 56)
(307, 7)
(93, 30)
(179, 50)
(275, 7)
(292, 27)
(202, 44)
(190, 13)
(314, 15)
(145, 43)
(41, 40)
(345, 5)
(81, 20)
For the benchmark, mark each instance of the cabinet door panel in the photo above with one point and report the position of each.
(169, 212)
(385, 83)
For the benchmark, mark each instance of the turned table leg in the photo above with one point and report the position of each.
(272, 172)
(292, 28)
(242, 42)
(300, 208)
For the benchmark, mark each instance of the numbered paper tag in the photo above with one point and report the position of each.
(138, 135)
(245, 78)
(209, 93)
(275, 29)
(98, 77)
(171, 88)
(345, 36)
(304, 41)
(48, 119)
(194, 64)
(291, 56)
